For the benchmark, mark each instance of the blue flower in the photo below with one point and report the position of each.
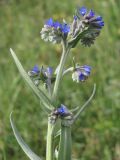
(101, 23)
(94, 21)
(83, 11)
(57, 25)
(49, 22)
(97, 22)
(81, 76)
(36, 69)
(98, 18)
(49, 72)
(35, 75)
(89, 21)
(81, 73)
(86, 69)
(91, 14)
(62, 110)
(75, 18)
(65, 28)
(54, 31)
(90, 18)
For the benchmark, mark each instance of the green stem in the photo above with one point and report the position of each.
(61, 68)
(65, 143)
(50, 142)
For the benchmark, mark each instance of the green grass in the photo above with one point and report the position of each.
(96, 136)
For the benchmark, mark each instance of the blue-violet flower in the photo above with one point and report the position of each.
(88, 22)
(81, 74)
(54, 31)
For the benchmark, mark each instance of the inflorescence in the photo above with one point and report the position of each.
(87, 20)
(83, 21)
(44, 75)
(54, 31)
(85, 27)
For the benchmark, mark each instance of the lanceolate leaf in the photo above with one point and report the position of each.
(81, 109)
(75, 109)
(22, 144)
(44, 99)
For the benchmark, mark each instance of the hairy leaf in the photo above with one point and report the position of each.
(44, 99)
(22, 144)
(81, 109)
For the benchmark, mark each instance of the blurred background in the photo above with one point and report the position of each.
(96, 135)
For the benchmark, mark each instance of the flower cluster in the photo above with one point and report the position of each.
(88, 22)
(83, 21)
(40, 74)
(91, 19)
(53, 31)
(81, 73)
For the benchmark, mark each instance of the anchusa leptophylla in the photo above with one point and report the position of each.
(45, 81)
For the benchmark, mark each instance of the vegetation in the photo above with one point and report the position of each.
(97, 133)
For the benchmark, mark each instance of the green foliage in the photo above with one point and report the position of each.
(21, 142)
(96, 134)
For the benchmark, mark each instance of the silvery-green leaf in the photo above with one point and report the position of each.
(81, 109)
(74, 109)
(44, 99)
(22, 144)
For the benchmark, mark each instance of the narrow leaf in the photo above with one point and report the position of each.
(22, 144)
(81, 109)
(44, 99)
(74, 109)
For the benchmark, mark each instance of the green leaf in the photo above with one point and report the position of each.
(22, 144)
(74, 109)
(44, 99)
(81, 109)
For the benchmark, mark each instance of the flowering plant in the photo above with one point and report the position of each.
(45, 82)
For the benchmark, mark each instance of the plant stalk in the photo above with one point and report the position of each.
(63, 59)
(50, 142)
(65, 143)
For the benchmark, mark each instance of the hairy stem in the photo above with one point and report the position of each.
(65, 143)
(60, 69)
(50, 142)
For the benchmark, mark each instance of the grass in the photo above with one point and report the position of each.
(96, 136)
